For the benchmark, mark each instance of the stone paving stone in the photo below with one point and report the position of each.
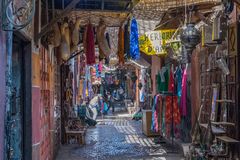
(117, 139)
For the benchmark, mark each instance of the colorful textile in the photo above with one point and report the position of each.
(121, 45)
(134, 44)
(183, 105)
(172, 103)
(178, 77)
(155, 113)
(100, 66)
(186, 124)
(162, 80)
(84, 90)
(90, 45)
(80, 88)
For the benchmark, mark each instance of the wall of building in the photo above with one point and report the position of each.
(195, 85)
(2, 88)
(42, 105)
(155, 68)
(36, 112)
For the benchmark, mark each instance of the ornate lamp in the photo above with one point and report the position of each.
(190, 37)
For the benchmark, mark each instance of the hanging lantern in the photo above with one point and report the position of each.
(190, 37)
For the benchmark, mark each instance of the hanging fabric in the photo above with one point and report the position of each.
(80, 88)
(100, 66)
(183, 105)
(134, 44)
(155, 113)
(172, 113)
(162, 80)
(90, 45)
(178, 78)
(121, 45)
(84, 89)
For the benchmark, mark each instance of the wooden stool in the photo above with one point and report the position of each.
(78, 135)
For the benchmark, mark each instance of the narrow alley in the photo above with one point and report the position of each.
(118, 138)
(119, 79)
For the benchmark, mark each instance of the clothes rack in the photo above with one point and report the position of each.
(164, 94)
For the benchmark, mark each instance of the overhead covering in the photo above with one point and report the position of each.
(111, 19)
(153, 9)
(116, 5)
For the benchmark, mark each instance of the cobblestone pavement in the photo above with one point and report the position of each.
(118, 139)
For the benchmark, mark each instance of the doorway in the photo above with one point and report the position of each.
(19, 130)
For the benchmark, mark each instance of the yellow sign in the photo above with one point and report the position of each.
(154, 42)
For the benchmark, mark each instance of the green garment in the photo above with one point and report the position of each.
(162, 85)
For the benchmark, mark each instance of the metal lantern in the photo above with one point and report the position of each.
(190, 37)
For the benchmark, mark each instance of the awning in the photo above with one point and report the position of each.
(141, 63)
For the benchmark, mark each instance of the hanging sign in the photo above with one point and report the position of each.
(154, 42)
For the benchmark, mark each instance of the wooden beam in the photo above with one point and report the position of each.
(202, 17)
(127, 1)
(103, 11)
(64, 13)
(237, 1)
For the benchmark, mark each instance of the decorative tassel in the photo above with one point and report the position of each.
(90, 45)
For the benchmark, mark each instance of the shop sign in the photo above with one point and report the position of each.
(154, 42)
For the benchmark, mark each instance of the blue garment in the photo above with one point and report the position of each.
(97, 71)
(178, 75)
(134, 44)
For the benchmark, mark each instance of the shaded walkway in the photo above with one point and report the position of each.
(116, 139)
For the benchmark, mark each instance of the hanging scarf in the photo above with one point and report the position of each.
(90, 45)
(84, 89)
(183, 106)
(90, 90)
(121, 45)
(134, 44)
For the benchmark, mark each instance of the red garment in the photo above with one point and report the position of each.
(90, 45)
(168, 114)
(183, 105)
(160, 100)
